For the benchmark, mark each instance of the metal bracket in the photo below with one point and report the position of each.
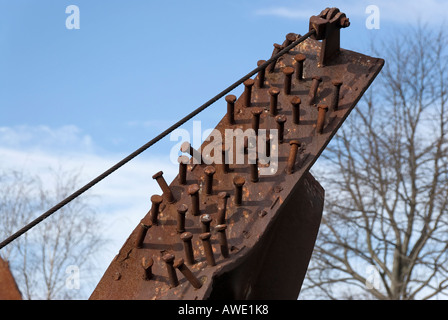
(327, 26)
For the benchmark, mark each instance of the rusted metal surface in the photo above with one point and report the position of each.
(8, 286)
(255, 203)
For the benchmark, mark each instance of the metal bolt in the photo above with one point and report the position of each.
(290, 38)
(147, 268)
(222, 238)
(206, 219)
(164, 186)
(277, 49)
(261, 74)
(205, 237)
(141, 232)
(281, 119)
(248, 84)
(238, 182)
(322, 110)
(288, 71)
(256, 119)
(273, 92)
(230, 108)
(292, 156)
(300, 59)
(295, 102)
(253, 163)
(156, 200)
(209, 172)
(225, 158)
(188, 246)
(195, 154)
(222, 207)
(181, 211)
(183, 160)
(334, 102)
(180, 265)
(172, 276)
(313, 89)
(193, 191)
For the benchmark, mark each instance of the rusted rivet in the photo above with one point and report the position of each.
(206, 219)
(147, 268)
(256, 119)
(295, 102)
(222, 207)
(290, 38)
(193, 191)
(186, 147)
(180, 265)
(277, 49)
(141, 232)
(253, 163)
(172, 276)
(181, 211)
(117, 276)
(205, 237)
(183, 160)
(225, 158)
(313, 90)
(156, 200)
(167, 194)
(287, 71)
(334, 103)
(322, 110)
(261, 74)
(273, 92)
(248, 84)
(209, 172)
(238, 182)
(222, 238)
(281, 119)
(300, 59)
(188, 246)
(230, 108)
(292, 156)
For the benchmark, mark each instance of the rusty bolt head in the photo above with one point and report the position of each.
(206, 218)
(278, 46)
(249, 82)
(230, 98)
(295, 142)
(147, 262)
(299, 57)
(156, 199)
(274, 91)
(209, 170)
(157, 175)
(291, 37)
(168, 258)
(185, 147)
(220, 227)
(257, 111)
(345, 22)
(239, 181)
(193, 189)
(223, 195)
(317, 78)
(186, 236)
(288, 71)
(295, 100)
(323, 106)
(337, 83)
(178, 263)
(183, 159)
(280, 119)
(205, 236)
(182, 208)
(260, 62)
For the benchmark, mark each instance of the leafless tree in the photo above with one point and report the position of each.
(55, 259)
(384, 233)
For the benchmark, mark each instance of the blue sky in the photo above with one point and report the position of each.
(86, 98)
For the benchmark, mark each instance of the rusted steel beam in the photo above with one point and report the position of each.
(261, 205)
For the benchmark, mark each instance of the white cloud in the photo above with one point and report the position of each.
(121, 200)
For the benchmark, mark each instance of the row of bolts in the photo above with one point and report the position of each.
(238, 181)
